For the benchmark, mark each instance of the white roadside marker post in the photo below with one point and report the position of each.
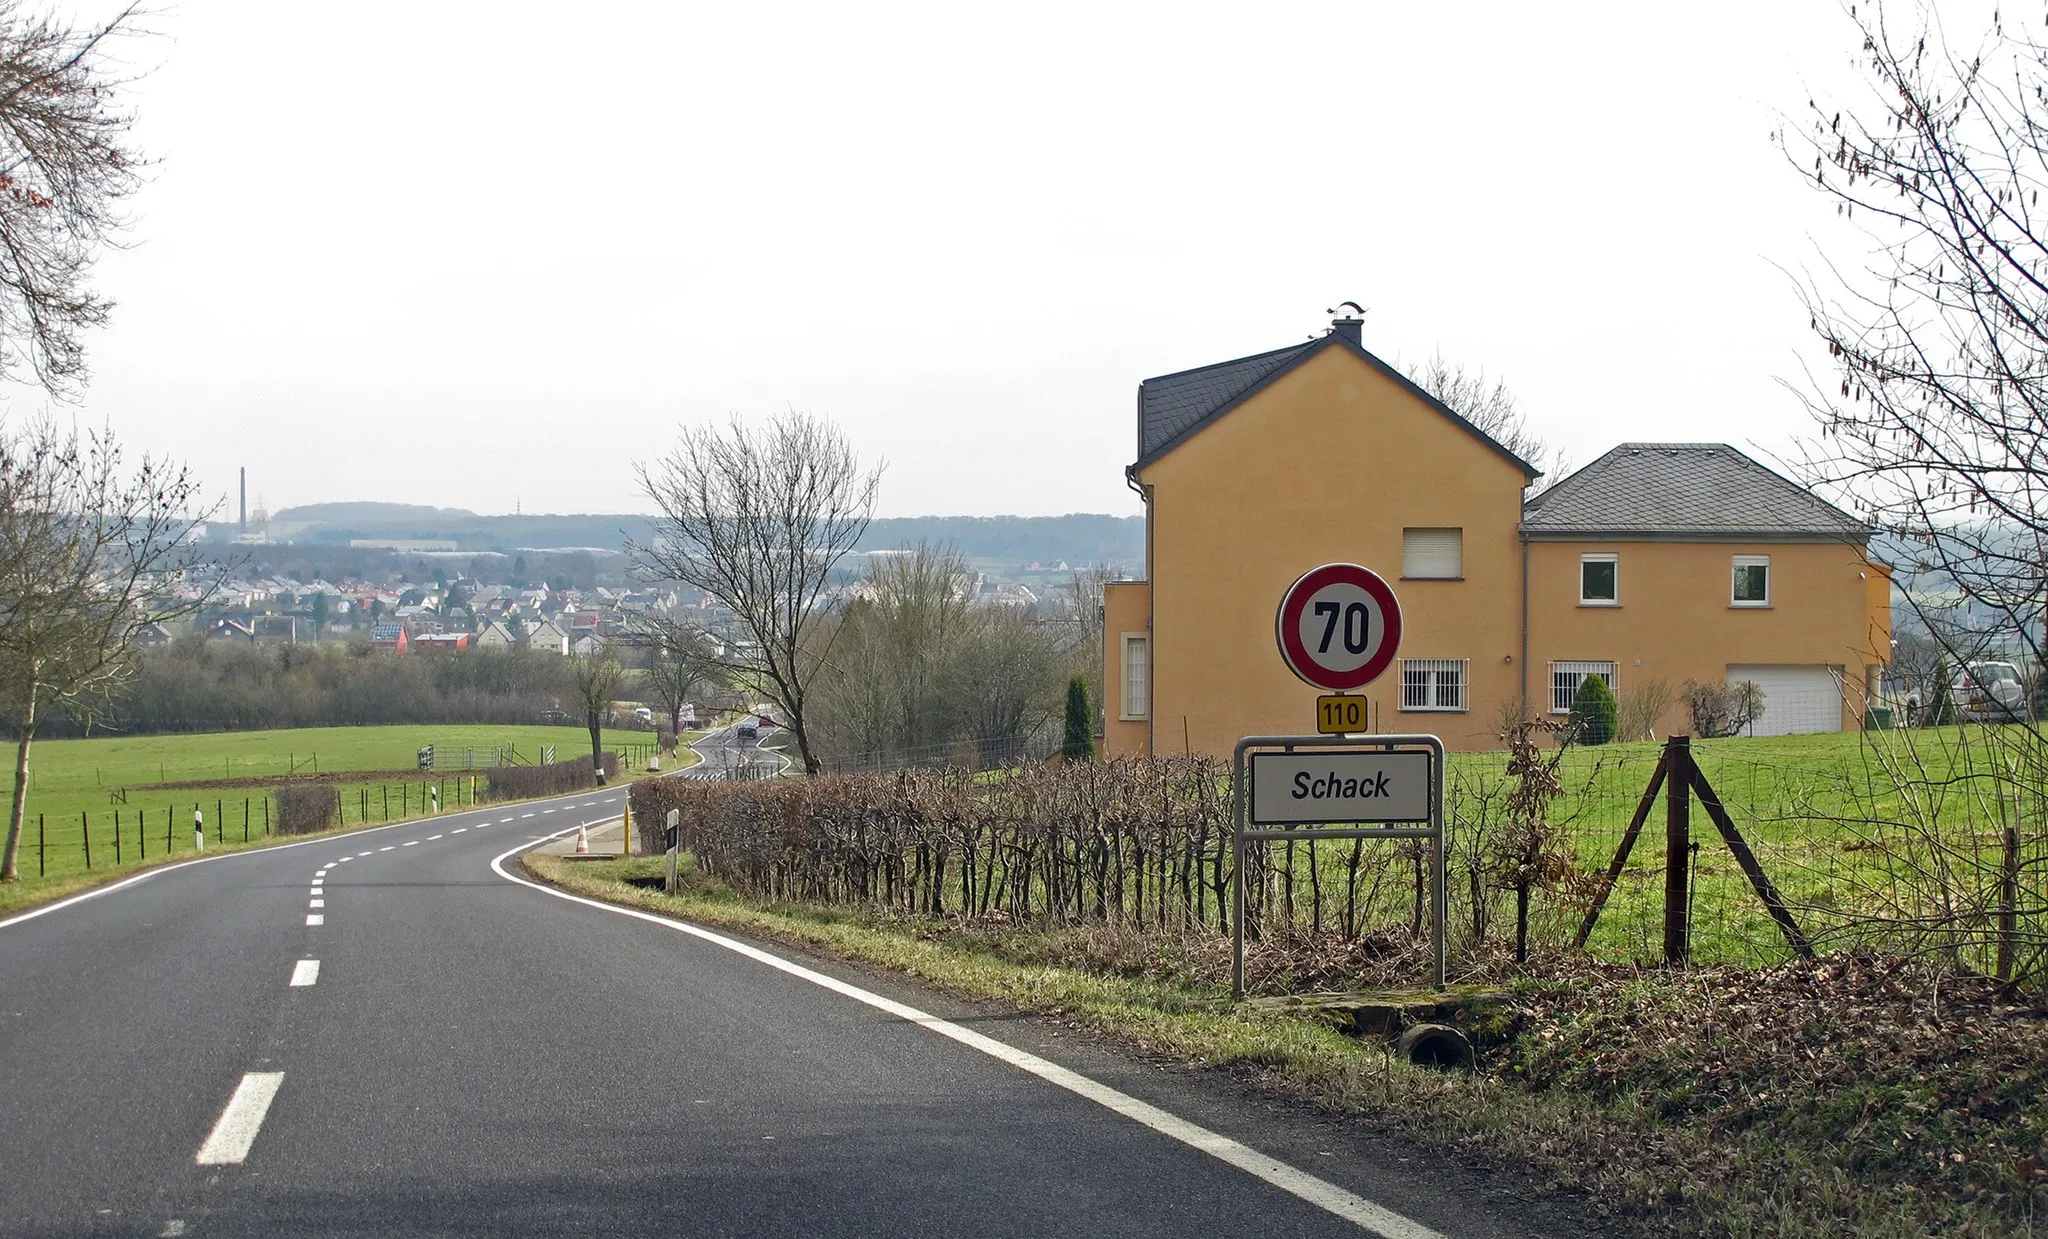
(198, 830)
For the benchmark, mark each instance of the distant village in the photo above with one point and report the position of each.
(459, 614)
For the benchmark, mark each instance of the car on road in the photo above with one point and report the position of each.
(1991, 690)
(747, 733)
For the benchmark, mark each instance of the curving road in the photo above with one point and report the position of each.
(392, 1033)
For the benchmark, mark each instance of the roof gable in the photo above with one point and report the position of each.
(1173, 408)
(1684, 490)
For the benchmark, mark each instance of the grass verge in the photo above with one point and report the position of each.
(1817, 1099)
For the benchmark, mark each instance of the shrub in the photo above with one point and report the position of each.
(1723, 709)
(1078, 744)
(1641, 705)
(1594, 712)
(303, 808)
(525, 782)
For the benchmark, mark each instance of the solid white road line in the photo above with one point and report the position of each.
(314, 918)
(228, 1143)
(306, 972)
(1324, 1195)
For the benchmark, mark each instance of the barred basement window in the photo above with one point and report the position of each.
(1564, 682)
(1433, 683)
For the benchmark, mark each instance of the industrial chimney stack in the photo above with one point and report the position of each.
(242, 522)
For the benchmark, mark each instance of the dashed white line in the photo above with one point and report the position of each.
(364, 853)
(431, 838)
(547, 810)
(410, 843)
(386, 848)
(317, 892)
(233, 1134)
(316, 903)
(306, 972)
(458, 830)
(503, 820)
(314, 918)
(526, 815)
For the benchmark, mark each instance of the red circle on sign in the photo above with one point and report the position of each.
(1348, 599)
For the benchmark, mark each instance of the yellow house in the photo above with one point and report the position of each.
(1655, 565)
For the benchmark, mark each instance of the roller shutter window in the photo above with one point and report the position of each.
(1433, 554)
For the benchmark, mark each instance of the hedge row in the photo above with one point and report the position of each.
(525, 782)
(304, 808)
(1130, 840)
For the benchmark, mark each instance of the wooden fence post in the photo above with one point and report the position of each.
(1677, 846)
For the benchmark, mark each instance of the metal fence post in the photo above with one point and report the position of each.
(1677, 846)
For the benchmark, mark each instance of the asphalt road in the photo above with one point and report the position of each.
(477, 1056)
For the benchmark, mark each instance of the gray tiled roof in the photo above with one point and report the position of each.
(1684, 490)
(1174, 406)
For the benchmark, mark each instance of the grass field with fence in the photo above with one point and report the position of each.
(99, 804)
(1921, 841)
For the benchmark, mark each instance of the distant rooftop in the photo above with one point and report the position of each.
(1685, 490)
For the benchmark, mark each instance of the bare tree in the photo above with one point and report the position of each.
(65, 167)
(884, 690)
(1935, 421)
(597, 684)
(91, 553)
(1088, 584)
(759, 519)
(678, 667)
(1009, 678)
(1489, 405)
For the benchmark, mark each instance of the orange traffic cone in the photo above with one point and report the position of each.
(582, 840)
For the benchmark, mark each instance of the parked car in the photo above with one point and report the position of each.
(1989, 690)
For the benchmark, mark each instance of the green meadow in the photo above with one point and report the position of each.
(104, 794)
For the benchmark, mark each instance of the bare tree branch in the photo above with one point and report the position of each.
(758, 519)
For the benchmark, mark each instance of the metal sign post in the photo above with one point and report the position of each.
(1337, 787)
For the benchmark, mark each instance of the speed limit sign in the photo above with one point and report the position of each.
(1339, 627)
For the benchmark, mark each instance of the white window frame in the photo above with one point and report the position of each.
(1144, 683)
(1408, 565)
(1443, 684)
(1578, 669)
(1750, 561)
(1605, 557)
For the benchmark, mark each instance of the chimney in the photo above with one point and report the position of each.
(242, 523)
(1349, 322)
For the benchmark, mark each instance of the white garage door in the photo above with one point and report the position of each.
(1796, 699)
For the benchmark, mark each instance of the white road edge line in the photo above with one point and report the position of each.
(1324, 1195)
(306, 972)
(148, 874)
(229, 1142)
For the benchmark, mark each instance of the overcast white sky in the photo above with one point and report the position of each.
(472, 254)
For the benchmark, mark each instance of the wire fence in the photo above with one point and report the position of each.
(1909, 842)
